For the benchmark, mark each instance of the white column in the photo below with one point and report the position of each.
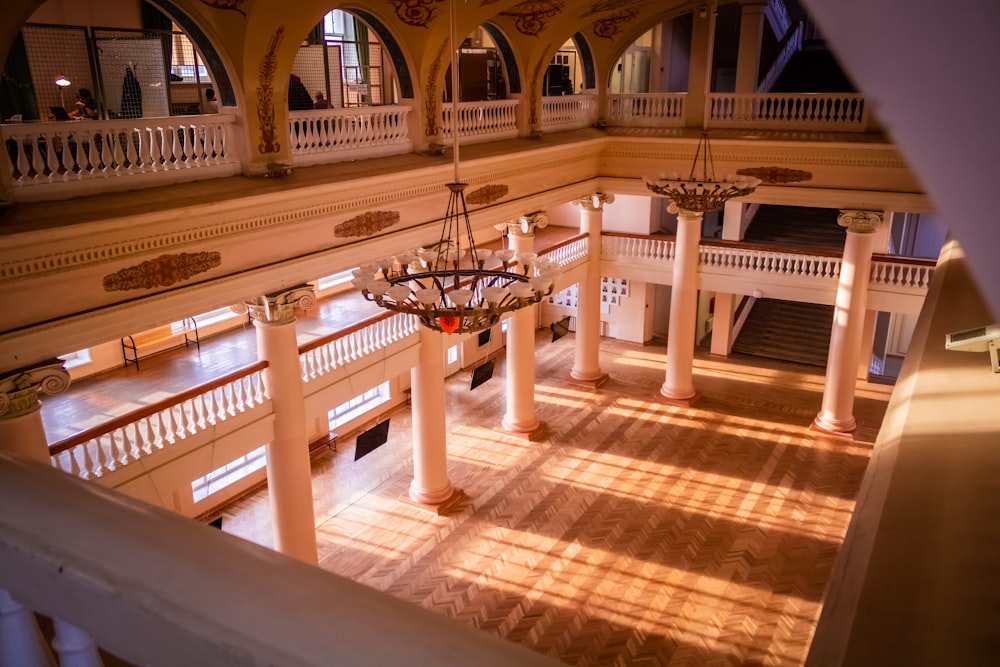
(23, 433)
(289, 475)
(723, 321)
(679, 383)
(748, 56)
(430, 485)
(586, 356)
(837, 413)
(700, 67)
(520, 419)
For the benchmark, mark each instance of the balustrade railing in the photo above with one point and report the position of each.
(646, 109)
(889, 271)
(323, 132)
(633, 246)
(324, 355)
(845, 112)
(568, 111)
(87, 150)
(488, 120)
(569, 252)
(768, 260)
(126, 439)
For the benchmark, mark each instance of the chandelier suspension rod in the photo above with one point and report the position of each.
(454, 85)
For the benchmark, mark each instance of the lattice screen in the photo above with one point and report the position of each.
(55, 51)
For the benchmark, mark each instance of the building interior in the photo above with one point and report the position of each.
(762, 432)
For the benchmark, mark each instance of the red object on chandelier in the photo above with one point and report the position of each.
(449, 323)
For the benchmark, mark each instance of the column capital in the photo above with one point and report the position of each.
(279, 307)
(860, 222)
(525, 225)
(596, 201)
(19, 390)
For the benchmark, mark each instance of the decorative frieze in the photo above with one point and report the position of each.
(860, 222)
(163, 271)
(486, 194)
(19, 390)
(279, 307)
(776, 175)
(265, 96)
(366, 224)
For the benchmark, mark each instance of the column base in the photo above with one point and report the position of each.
(590, 383)
(679, 402)
(447, 506)
(833, 426)
(539, 432)
(684, 395)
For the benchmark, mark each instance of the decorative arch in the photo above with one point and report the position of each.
(220, 76)
(509, 62)
(392, 46)
(587, 59)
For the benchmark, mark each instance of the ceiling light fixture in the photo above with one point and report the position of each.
(700, 195)
(453, 286)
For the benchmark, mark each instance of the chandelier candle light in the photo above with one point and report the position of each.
(453, 286)
(704, 194)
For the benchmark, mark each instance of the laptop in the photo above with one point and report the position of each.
(59, 113)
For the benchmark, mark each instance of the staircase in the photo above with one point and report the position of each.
(787, 330)
(799, 226)
(813, 69)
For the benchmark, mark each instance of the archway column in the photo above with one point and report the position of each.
(751, 37)
(430, 489)
(289, 475)
(520, 419)
(679, 382)
(586, 357)
(837, 412)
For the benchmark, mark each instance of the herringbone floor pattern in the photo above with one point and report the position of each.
(637, 533)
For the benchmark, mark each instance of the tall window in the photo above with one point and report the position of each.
(358, 405)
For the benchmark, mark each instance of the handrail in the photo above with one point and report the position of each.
(153, 408)
(562, 244)
(899, 259)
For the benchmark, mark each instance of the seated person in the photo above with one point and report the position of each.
(211, 104)
(86, 106)
(321, 102)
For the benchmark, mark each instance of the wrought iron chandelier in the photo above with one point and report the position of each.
(700, 195)
(453, 286)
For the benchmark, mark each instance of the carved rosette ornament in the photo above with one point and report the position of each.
(232, 5)
(486, 195)
(530, 17)
(417, 13)
(19, 390)
(610, 26)
(860, 222)
(163, 271)
(278, 307)
(366, 224)
(596, 201)
(526, 225)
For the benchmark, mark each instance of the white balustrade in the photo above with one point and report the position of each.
(769, 261)
(896, 274)
(568, 111)
(481, 121)
(638, 248)
(328, 132)
(121, 444)
(569, 254)
(75, 152)
(318, 361)
(646, 109)
(845, 112)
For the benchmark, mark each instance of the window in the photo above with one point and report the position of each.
(222, 477)
(358, 405)
(78, 358)
(453, 354)
(205, 319)
(326, 282)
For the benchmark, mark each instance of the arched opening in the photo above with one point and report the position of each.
(482, 67)
(125, 63)
(667, 43)
(345, 62)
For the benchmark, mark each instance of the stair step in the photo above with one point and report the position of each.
(786, 330)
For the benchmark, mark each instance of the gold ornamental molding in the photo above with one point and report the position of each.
(813, 155)
(431, 111)
(233, 5)
(163, 271)
(530, 17)
(366, 224)
(265, 95)
(417, 13)
(487, 194)
(776, 175)
(610, 26)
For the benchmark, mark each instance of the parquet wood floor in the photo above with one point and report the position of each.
(637, 533)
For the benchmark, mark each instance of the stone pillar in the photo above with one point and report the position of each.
(679, 383)
(837, 413)
(289, 476)
(723, 320)
(430, 489)
(519, 419)
(586, 358)
(22, 433)
(700, 68)
(748, 57)
(21, 428)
